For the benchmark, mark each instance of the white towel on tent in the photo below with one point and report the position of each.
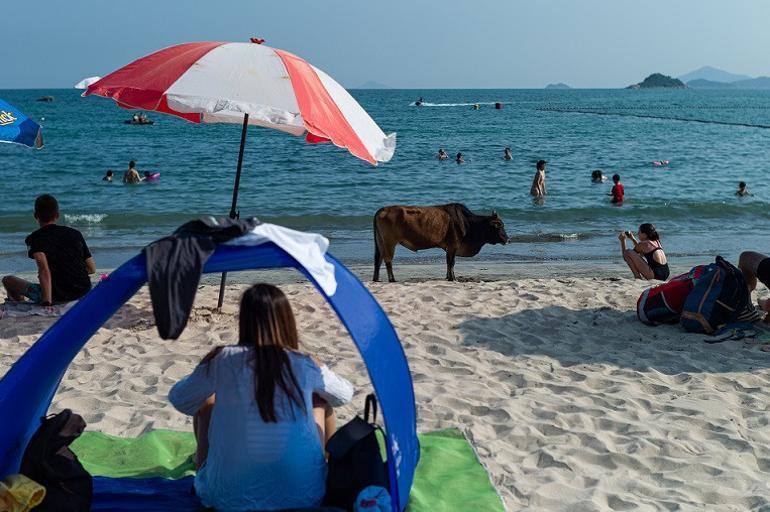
(309, 249)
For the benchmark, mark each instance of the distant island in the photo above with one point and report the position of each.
(702, 83)
(371, 84)
(558, 86)
(761, 82)
(659, 81)
(708, 77)
(712, 74)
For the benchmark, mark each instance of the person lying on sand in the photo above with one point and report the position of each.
(262, 412)
(756, 267)
(647, 259)
(62, 257)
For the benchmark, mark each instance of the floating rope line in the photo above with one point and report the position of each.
(650, 116)
(661, 107)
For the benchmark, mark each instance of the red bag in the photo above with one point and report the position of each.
(663, 304)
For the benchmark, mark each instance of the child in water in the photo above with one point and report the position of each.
(618, 191)
(442, 155)
(459, 158)
(108, 176)
(742, 190)
(507, 155)
(598, 177)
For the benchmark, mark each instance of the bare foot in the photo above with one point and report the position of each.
(764, 305)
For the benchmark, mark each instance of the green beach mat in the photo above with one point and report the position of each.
(449, 477)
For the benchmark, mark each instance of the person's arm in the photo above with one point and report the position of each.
(44, 275)
(622, 238)
(90, 266)
(188, 395)
(328, 385)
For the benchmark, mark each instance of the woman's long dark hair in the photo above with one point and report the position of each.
(649, 230)
(267, 325)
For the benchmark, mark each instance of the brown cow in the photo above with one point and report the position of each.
(452, 227)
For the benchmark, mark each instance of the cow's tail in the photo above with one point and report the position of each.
(377, 254)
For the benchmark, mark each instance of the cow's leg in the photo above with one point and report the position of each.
(377, 261)
(389, 268)
(388, 251)
(450, 265)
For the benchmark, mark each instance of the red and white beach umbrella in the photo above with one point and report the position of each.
(215, 82)
(252, 84)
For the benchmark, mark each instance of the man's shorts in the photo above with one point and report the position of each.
(763, 272)
(34, 292)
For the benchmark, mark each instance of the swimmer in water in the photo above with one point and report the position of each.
(108, 176)
(538, 181)
(442, 155)
(459, 158)
(507, 154)
(598, 177)
(618, 192)
(742, 190)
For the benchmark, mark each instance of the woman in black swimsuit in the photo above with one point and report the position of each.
(647, 259)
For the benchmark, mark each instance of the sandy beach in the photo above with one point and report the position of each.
(571, 403)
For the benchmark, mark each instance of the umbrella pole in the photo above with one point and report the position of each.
(233, 212)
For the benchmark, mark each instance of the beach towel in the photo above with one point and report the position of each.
(309, 249)
(154, 472)
(12, 308)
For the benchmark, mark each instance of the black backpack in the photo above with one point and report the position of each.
(355, 460)
(48, 461)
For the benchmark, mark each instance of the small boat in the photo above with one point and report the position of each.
(46, 99)
(139, 119)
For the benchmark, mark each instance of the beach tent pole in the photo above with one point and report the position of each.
(233, 212)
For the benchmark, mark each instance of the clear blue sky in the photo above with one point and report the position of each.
(402, 43)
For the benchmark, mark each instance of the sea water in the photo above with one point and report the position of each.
(324, 189)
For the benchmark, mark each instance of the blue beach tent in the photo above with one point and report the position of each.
(27, 389)
(17, 128)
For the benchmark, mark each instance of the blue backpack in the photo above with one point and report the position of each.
(716, 300)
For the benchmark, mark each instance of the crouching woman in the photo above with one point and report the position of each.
(262, 412)
(647, 259)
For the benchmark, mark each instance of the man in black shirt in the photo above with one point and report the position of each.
(62, 256)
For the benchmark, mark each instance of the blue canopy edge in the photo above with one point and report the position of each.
(28, 387)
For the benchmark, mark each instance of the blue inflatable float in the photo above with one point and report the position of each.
(27, 389)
